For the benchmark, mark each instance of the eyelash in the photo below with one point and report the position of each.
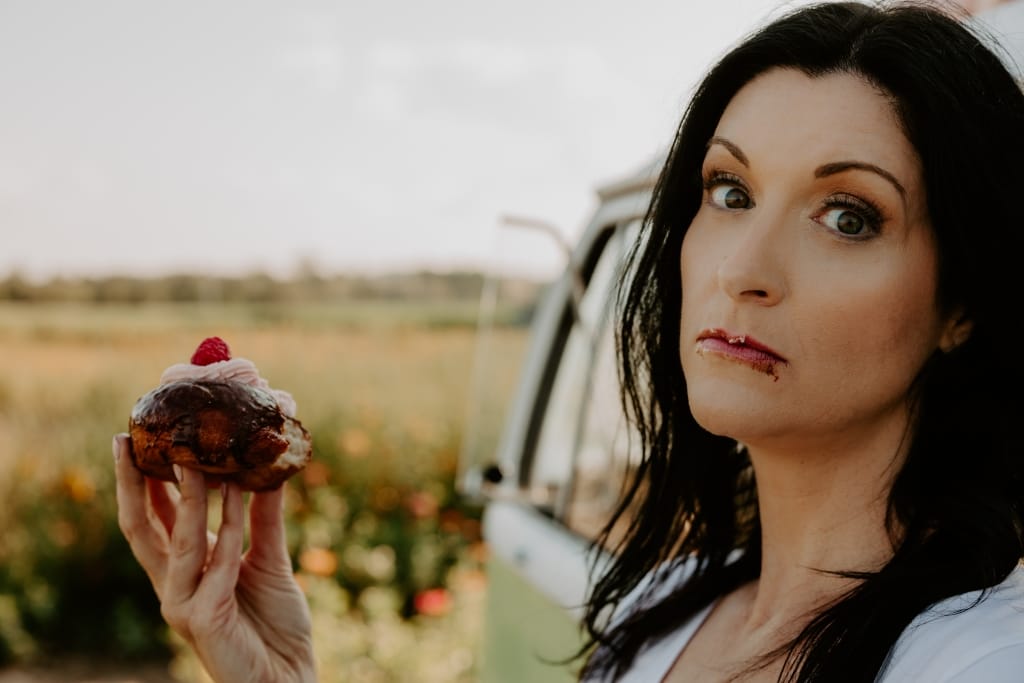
(872, 215)
(715, 178)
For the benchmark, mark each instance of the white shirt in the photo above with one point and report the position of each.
(984, 644)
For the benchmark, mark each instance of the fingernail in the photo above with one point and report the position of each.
(117, 448)
(177, 472)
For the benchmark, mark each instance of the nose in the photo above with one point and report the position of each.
(753, 267)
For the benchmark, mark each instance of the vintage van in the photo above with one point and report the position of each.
(565, 448)
(562, 455)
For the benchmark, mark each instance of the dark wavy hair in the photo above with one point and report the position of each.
(955, 508)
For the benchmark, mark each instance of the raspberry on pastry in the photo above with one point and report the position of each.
(217, 415)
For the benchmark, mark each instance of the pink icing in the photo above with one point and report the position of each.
(234, 370)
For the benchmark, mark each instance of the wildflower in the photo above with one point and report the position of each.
(433, 602)
(319, 561)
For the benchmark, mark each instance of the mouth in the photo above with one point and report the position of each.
(741, 348)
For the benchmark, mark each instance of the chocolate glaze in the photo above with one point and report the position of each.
(227, 429)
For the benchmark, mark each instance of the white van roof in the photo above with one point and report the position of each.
(641, 179)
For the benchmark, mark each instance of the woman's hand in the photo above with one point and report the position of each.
(244, 615)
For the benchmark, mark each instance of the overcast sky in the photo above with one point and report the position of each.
(144, 137)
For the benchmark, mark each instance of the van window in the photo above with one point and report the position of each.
(608, 450)
(585, 447)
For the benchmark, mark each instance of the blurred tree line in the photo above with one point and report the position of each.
(307, 285)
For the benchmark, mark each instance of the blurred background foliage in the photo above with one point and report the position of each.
(389, 554)
(306, 286)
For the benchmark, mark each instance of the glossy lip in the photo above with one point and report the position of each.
(740, 348)
(740, 340)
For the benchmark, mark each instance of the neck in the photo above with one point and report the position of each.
(823, 509)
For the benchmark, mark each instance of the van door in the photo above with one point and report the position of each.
(563, 458)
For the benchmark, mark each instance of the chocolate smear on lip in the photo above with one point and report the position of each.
(765, 366)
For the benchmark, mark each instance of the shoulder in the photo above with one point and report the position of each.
(960, 639)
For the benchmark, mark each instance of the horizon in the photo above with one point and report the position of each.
(300, 271)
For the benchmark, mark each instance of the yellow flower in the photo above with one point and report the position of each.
(319, 561)
(355, 442)
(79, 485)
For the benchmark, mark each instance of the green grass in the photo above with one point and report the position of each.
(96, 322)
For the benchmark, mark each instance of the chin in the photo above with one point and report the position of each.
(722, 422)
(737, 415)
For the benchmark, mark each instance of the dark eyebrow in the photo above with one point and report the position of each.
(840, 166)
(733, 149)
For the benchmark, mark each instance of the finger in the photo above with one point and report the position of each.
(221, 576)
(163, 499)
(188, 543)
(131, 511)
(211, 543)
(165, 509)
(268, 549)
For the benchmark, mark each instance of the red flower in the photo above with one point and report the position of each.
(433, 602)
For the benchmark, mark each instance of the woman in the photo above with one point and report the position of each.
(832, 226)
(826, 278)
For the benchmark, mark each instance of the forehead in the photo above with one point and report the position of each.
(817, 120)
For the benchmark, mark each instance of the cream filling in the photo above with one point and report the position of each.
(235, 370)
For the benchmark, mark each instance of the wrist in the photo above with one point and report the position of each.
(305, 667)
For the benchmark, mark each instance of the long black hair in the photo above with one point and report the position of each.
(955, 508)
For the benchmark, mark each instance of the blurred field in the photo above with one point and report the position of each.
(389, 555)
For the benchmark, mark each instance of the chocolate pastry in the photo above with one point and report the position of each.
(230, 430)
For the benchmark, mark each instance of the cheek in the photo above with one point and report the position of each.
(697, 264)
(876, 331)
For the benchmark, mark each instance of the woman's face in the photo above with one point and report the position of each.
(809, 271)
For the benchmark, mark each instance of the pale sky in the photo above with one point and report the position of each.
(143, 137)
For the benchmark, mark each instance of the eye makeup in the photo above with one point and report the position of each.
(872, 215)
(726, 191)
(869, 212)
(714, 177)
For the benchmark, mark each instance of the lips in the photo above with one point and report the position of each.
(739, 347)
